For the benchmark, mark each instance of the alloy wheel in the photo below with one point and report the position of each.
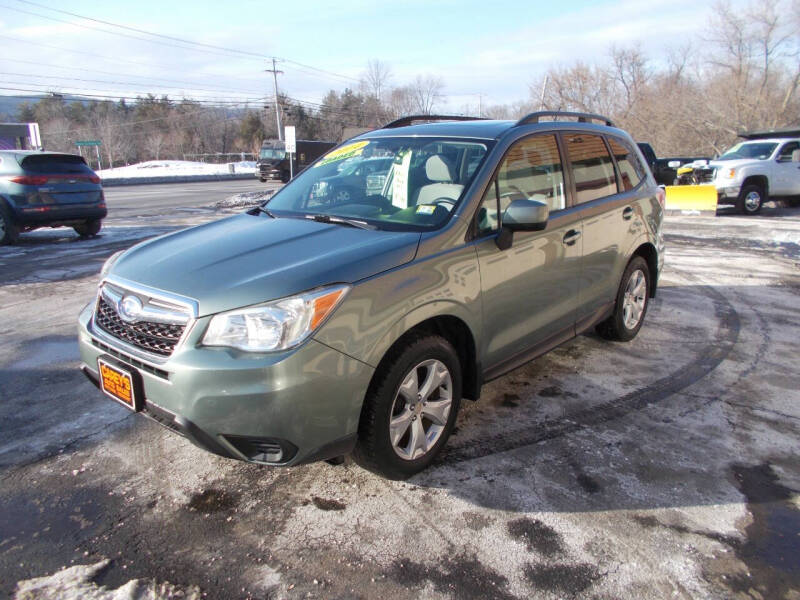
(634, 300)
(420, 410)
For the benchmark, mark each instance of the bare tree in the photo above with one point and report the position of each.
(426, 92)
(375, 80)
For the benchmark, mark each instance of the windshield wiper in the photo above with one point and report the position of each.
(266, 211)
(340, 221)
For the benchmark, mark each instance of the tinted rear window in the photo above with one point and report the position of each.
(591, 167)
(54, 164)
(630, 169)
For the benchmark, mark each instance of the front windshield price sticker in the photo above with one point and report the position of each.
(426, 209)
(400, 181)
(343, 153)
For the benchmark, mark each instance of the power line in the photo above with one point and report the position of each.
(127, 83)
(166, 37)
(244, 53)
(82, 69)
(81, 95)
(114, 60)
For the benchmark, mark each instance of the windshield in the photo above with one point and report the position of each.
(407, 184)
(759, 150)
(272, 153)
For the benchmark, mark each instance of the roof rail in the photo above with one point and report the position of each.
(408, 120)
(582, 117)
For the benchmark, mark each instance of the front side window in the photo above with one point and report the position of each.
(398, 183)
(591, 167)
(531, 170)
(630, 169)
(785, 155)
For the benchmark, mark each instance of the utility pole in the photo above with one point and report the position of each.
(544, 89)
(275, 73)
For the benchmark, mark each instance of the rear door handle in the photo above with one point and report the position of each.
(572, 236)
(627, 214)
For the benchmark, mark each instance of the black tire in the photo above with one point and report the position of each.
(751, 199)
(89, 228)
(618, 325)
(285, 176)
(262, 179)
(374, 450)
(9, 230)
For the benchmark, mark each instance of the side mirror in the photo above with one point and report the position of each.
(674, 164)
(526, 215)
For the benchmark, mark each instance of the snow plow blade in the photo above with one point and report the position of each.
(691, 199)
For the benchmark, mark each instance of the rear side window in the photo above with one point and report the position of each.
(630, 169)
(55, 164)
(591, 167)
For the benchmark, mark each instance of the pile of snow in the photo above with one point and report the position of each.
(244, 200)
(177, 168)
(75, 583)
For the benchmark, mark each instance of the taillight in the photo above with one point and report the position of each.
(29, 179)
(661, 194)
(94, 179)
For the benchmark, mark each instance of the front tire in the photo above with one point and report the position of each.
(9, 230)
(410, 408)
(751, 199)
(285, 176)
(631, 304)
(89, 228)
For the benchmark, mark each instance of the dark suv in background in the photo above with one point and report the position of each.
(48, 189)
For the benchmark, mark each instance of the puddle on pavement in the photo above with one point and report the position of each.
(772, 546)
(212, 501)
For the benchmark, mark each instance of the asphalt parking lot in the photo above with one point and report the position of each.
(663, 468)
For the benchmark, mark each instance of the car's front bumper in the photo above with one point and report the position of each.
(306, 401)
(727, 192)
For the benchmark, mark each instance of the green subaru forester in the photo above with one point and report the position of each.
(325, 323)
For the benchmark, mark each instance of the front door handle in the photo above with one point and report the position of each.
(627, 214)
(572, 236)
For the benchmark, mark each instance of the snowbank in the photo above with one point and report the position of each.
(176, 168)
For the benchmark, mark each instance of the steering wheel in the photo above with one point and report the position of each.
(445, 200)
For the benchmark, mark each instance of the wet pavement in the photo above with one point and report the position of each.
(666, 467)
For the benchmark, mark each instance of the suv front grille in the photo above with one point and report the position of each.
(158, 338)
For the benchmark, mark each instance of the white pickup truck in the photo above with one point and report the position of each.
(760, 168)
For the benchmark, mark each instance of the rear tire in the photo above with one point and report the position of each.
(89, 228)
(285, 177)
(9, 230)
(410, 408)
(751, 199)
(262, 179)
(631, 304)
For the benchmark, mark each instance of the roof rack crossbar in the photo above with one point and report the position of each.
(582, 117)
(410, 119)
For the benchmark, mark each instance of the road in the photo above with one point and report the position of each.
(149, 200)
(662, 468)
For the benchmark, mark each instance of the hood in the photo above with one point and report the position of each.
(734, 163)
(247, 259)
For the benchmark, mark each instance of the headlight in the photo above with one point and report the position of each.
(277, 325)
(109, 263)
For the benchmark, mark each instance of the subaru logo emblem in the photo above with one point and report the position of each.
(129, 308)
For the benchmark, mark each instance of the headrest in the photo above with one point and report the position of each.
(437, 169)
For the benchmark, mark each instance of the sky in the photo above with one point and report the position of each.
(484, 52)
